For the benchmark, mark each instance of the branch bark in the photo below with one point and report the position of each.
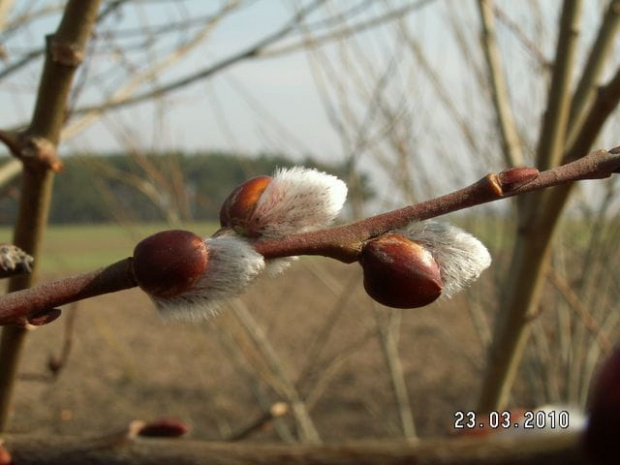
(342, 243)
(601, 49)
(553, 130)
(511, 144)
(564, 449)
(530, 260)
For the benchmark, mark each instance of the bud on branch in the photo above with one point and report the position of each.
(243, 250)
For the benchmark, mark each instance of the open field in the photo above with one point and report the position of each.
(328, 348)
(74, 248)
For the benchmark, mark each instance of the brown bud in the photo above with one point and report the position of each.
(43, 317)
(399, 272)
(164, 428)
(237, 209)
(168, 263)
(513, 178)
(601, 437)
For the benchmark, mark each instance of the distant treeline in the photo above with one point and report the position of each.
(162, 187)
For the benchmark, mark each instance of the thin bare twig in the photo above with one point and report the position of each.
(308, 432)
(250, 378)
(89, 116)
(110, 8)
(277, 410)
(388, 332)
(581, 310)
(517, 30)
(511, 144)
(245, 54)
(392, 15)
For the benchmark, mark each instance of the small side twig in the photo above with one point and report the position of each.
(57, 363)
(277, 410)
(581, 310)
(11, 140)
(307, 431)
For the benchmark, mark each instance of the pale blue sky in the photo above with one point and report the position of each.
(274, 105)
(284, 86)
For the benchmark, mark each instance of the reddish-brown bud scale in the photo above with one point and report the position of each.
(513, 178)
(164, 428)
(601, 437)
(168, 263)
(399, 272)
(43, 317)
(237, 209)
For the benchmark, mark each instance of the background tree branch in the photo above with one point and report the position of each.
(65, 51)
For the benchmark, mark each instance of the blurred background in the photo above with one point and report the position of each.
(179, 101)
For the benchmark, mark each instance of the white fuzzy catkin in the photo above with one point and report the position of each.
(232, 265)
(460, 256)
(298, 200)
(276, 266)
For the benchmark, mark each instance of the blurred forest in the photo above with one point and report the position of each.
(171, 187)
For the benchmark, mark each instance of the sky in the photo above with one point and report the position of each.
(240, 109)
(298, 103)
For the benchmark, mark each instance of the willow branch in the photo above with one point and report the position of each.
(22, 304)
(563, 448)
(343, 243)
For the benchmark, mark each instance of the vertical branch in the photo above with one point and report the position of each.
(532, 248)
(553, 130)
(601, 49)
(65, 52)
(511, 144)
(388, 336)
(527, 266)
